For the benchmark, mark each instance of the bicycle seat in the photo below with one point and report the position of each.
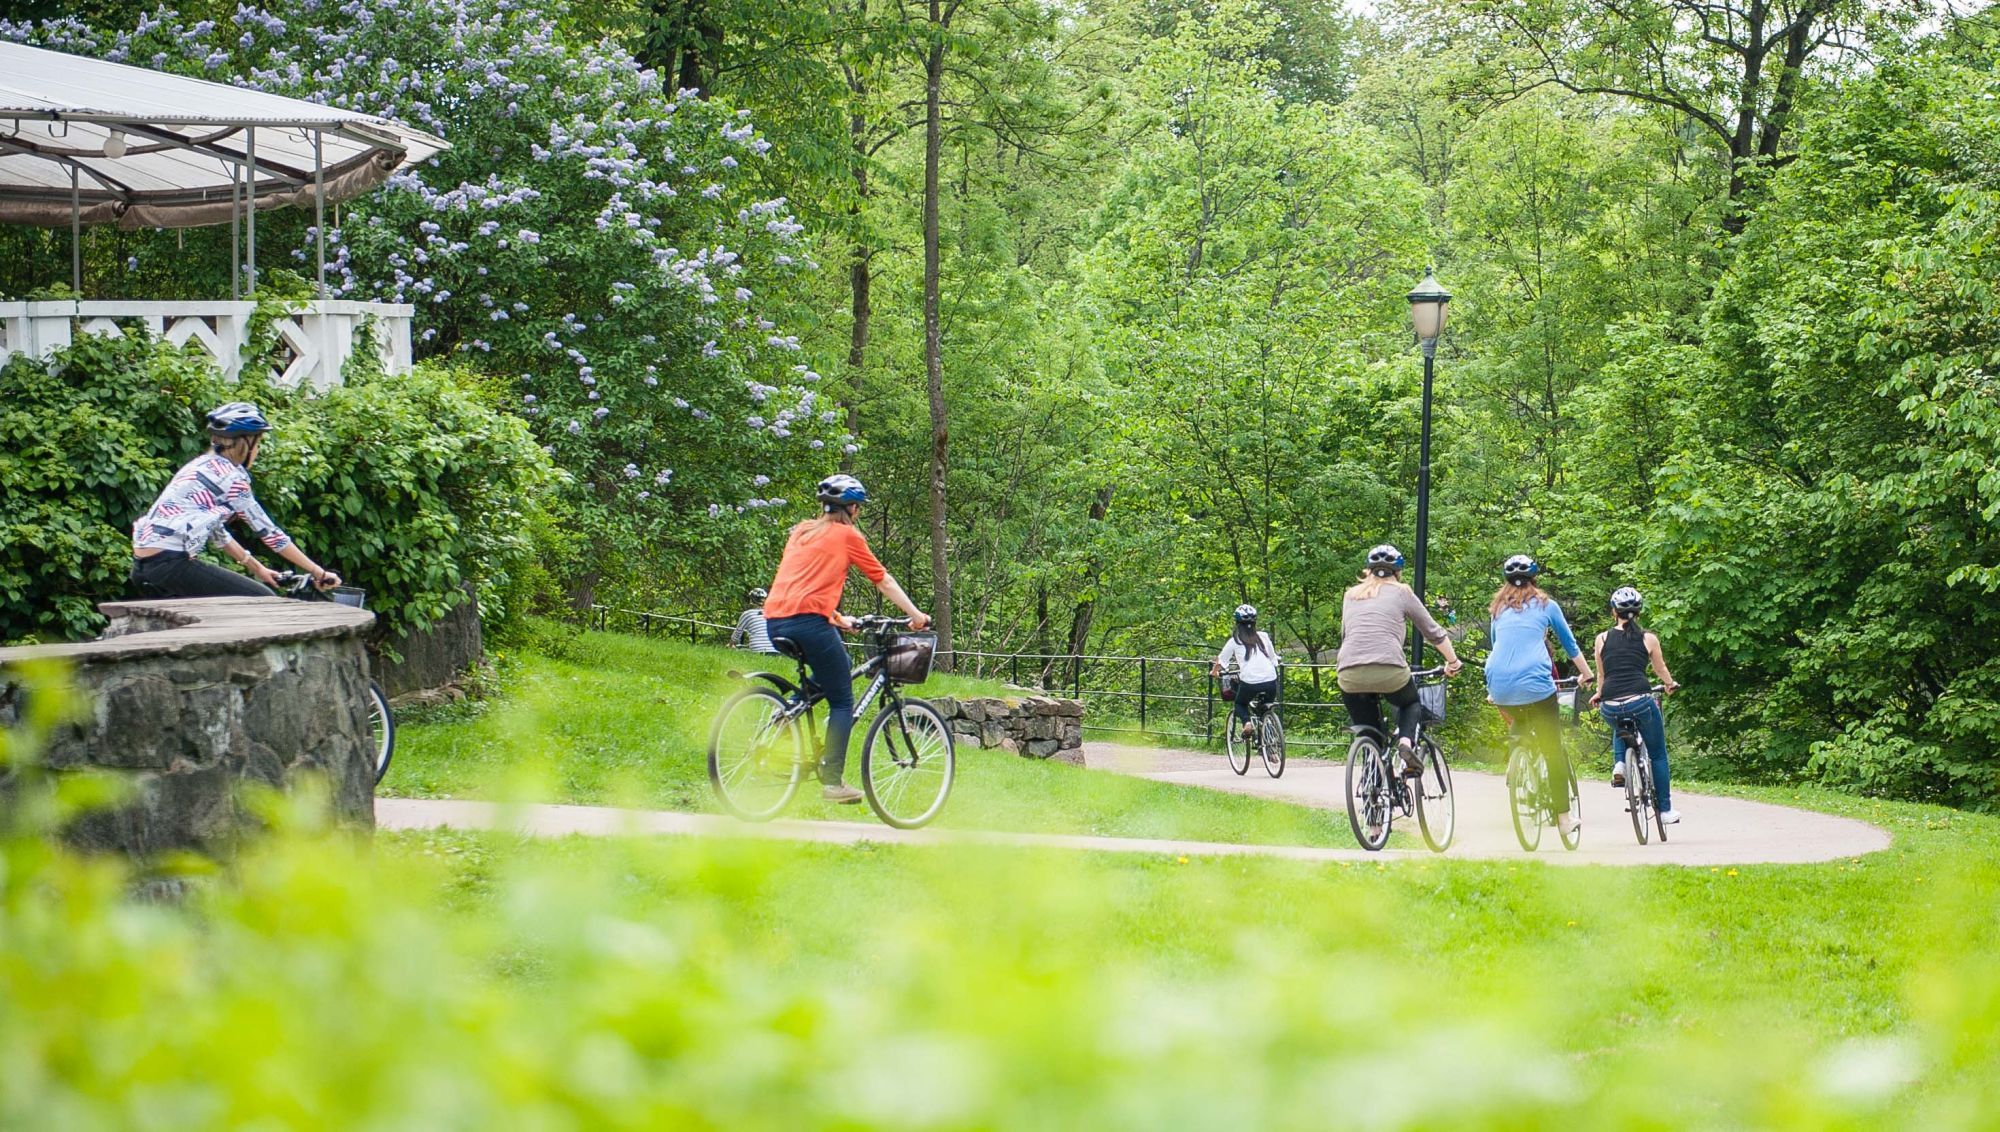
(787, 647)
(1628, 726)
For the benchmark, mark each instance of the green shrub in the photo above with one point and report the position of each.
(413, 486)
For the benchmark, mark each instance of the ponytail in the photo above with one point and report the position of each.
(1246, 636)
(1629, 623)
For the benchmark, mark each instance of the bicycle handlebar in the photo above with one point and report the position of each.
(873, 621)
(1426, 673)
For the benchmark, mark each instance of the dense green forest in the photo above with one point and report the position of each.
(1104, 300)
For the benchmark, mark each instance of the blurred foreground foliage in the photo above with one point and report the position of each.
(444, 981)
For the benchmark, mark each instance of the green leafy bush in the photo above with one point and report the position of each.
(413, 486)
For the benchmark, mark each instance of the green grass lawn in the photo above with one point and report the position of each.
(608, 718)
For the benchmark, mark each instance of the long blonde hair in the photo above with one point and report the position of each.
(1511, 596)
(1371, 584)
(844, 515)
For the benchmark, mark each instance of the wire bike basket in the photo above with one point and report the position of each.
(1430, 699)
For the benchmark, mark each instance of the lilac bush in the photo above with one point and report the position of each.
(609, 249)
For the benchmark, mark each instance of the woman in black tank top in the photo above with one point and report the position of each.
(1628, 657)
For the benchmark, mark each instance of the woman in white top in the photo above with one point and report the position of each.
(1249, 651)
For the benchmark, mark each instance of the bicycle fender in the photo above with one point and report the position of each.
(776, 681)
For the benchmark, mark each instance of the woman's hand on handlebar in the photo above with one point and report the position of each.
(326, 580)
(264, 573)
(919, 620)
(842, 622)
(1452, 666)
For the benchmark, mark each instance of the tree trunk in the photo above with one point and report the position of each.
(933, 353)
(860, 279)
(1086, 608)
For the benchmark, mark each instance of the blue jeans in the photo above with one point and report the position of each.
(1653, 729)
(826, 659)
(1247, 693)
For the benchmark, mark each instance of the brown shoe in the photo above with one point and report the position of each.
(840, 793)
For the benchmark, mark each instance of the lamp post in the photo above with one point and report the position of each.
(1427, 314)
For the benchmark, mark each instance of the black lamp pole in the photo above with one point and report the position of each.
(1427, 314)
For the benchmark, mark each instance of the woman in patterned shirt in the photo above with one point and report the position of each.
(196, 507)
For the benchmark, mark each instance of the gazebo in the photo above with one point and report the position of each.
(87, 142)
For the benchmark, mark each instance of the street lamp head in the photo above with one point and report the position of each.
(1427, 307)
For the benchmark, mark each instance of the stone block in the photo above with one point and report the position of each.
(1071, 708)
(963, 727)
(975, 710)
(947, 707)
(990, 734)
(1041, 748)
(1041, 705)
(1010, 745)
(1073, 756)
(1072, 733)
(1044, 727)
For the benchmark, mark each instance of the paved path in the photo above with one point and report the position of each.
(1713, 830)
(1717, 830)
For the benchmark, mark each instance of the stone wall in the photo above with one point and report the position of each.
(189, 699)
(1035, 727)
(434, 657)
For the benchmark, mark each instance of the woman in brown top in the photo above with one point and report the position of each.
(1373, 661)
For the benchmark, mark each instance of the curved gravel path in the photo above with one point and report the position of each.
(1713, 830)
(1716, 831)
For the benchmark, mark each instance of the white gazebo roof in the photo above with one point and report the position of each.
(93, 142)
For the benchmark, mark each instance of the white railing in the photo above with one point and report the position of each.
(315, 338)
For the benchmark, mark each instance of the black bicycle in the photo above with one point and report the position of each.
(1378, 791)
(381, 721)
(1640, 800)
(1266, 739)
(766, 735)
(1527, 780)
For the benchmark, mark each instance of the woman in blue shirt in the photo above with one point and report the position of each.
(1518, 676)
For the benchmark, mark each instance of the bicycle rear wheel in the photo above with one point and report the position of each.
(908, 763)
(1524, 797)
(1271, 743)
(756, 754)
(1235, 745)
(381, 730)
(1367, 794)
(1638, 792)
(1437, 808)
(1573, 838)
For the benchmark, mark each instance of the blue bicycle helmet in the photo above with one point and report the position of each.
(841, 490)
(237, 418)
(1246, 614)
(1520, 570)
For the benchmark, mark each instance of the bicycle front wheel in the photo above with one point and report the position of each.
(1638, 797)
(1273, 746)
(1437, 807)
(756, 754)
(1236, 746)
(908, 763)
(1524, 798)
(1367, 795)
(381, 730)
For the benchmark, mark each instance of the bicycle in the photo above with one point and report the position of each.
(1527, 776)
(1267, 737)
(1378, 791)
(381, 721)
(764, 736)
(1640, 800)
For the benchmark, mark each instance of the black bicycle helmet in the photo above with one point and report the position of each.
(1246, 614)
(841, 490)
(237, 418)
(759, 594)
(1385, 558)
(1627, 600)
(1520, 570)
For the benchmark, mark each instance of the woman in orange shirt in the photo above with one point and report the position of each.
(804, 605)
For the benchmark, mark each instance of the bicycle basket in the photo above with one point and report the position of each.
(1430, 697)
(907, 659)
(350, 595)
(1227, 689)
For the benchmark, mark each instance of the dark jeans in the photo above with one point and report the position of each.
(1540, 725)
(1645, 711)
(1365, 708)
(1246, 693)
(173, 574)
(826, 659)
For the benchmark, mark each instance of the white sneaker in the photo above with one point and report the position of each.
(1670, 817)
(1618, 773)
(1568, 825)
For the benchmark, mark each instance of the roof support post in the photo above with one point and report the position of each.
(251, 151)
(75, 235)
(319, 210)
(235, 233)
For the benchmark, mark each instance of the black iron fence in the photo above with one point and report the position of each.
(1161, 696)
